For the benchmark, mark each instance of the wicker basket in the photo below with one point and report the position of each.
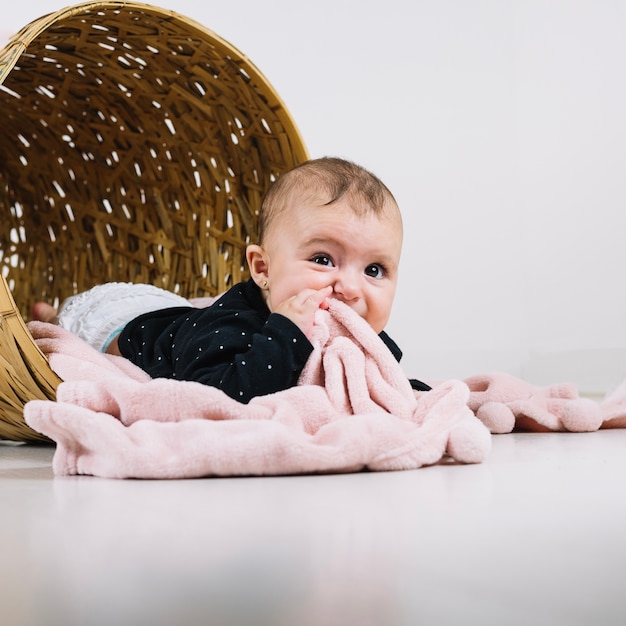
(137, 146)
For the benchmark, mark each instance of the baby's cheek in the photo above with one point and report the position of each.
(378, 320)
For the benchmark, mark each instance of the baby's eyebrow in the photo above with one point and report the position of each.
(387, 261)
(319, 241)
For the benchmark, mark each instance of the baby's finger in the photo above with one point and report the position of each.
(318, 298)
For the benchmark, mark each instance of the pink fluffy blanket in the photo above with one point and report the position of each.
(505, 403)
(353, 409)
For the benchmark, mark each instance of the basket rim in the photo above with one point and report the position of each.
(19, 42)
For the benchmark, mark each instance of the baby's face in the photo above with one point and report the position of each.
(318, 246)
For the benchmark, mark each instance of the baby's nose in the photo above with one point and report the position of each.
(346, 287)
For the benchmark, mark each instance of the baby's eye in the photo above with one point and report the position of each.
(375, 271)
(322, 259)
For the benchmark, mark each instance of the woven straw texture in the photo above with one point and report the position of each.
(24, 372)
(136, 146)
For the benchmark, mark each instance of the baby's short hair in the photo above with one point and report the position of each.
(325, 180)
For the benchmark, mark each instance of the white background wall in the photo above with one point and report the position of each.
(500, 126)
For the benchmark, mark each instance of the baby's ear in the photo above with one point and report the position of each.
(257, 262)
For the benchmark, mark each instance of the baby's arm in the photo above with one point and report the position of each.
(245, 364)
(262, 362)
(229, 345)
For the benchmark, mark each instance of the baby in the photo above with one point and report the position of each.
(328, 228)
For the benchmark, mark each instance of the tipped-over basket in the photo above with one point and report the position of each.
(137, 146)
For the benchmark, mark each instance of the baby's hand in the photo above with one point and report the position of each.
(300, 309)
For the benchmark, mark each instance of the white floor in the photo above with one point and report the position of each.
(536, 535)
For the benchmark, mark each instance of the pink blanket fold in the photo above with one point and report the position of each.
(505, 403)
(353, 409)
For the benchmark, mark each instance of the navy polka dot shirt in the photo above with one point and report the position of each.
(236, 345)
